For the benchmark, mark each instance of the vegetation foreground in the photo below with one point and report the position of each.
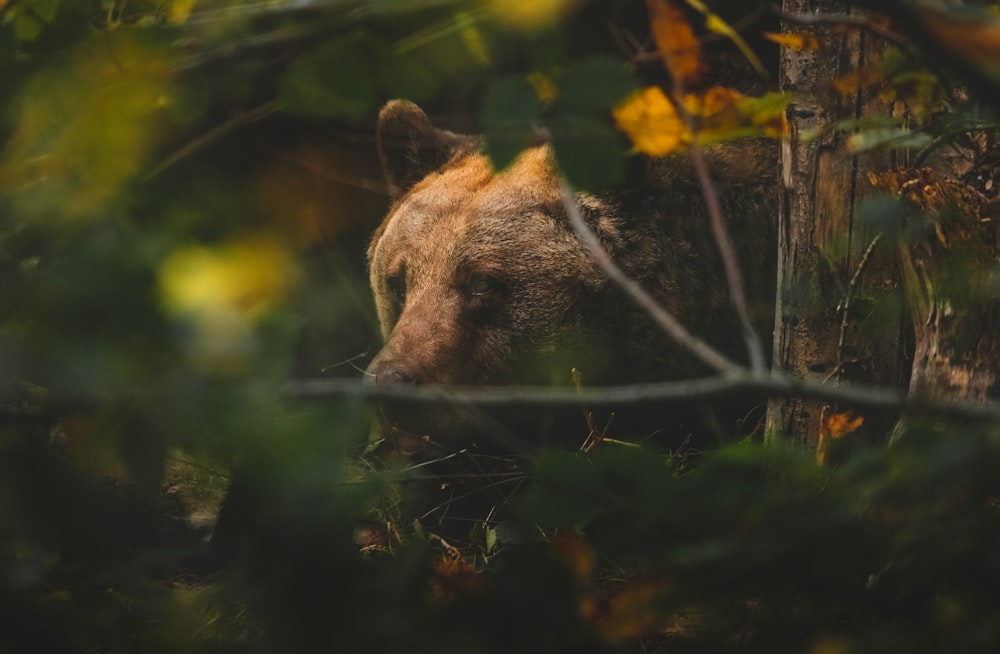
(187, 191)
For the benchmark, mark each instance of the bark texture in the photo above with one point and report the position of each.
(948, 254)
(826, 260)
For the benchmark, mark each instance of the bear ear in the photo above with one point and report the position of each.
(410, 148)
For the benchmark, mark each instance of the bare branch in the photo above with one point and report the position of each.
(730, 261)
(738, 380)
(774, 385)
(699, 348)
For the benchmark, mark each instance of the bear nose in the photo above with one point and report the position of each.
(394, 376)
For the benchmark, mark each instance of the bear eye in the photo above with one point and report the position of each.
(396, 284)
(482, 285)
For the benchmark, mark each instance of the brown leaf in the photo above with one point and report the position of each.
(628, 611)
(833, 425)
(973, 40)
(840, 424)
(676, 41)
(794, 40)
(862, 78)
(453, 573)
(574, 551)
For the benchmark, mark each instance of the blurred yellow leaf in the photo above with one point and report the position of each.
(83, 128)
(713, 102)
(676, 41)
(531, 15)
(794, 40)
(472, 38)
(544, 87)
(180, 10)
(246, 276)
(224, 291)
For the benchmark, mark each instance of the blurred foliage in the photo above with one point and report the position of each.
(186, 191)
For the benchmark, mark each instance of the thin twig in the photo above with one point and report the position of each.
(349, 361)
(238, 119)
(699, 348)
(730, 260)
(845, 307)
(363, 183)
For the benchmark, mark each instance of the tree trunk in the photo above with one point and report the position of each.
(824, 252)
(948, 251)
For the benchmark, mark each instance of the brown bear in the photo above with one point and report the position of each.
(480, 280)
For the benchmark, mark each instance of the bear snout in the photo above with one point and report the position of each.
(388, 373)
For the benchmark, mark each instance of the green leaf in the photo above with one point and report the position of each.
(636, 471)
(588, 151)
(897, 137)
(44, 9)
(334, 80)
(596, 84)
(402, 75)
(509, 114)
(884, 213)
(26, 27)
(569, 492)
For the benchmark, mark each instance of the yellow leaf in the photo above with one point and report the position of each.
(720, 114)
(713, 101)
(651, 122)
(794, 40)
(676, 41)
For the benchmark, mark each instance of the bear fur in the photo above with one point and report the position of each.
(480, 280)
